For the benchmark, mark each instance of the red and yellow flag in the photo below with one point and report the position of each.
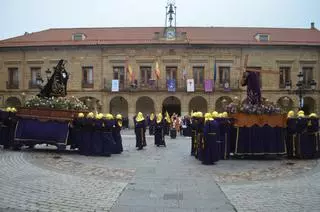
(130, 72)
(157, 70)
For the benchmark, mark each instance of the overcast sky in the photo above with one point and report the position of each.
(19, 16)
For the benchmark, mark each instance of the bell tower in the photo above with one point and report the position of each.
(170, 31)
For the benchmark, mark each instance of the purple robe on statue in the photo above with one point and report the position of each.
(251, 80)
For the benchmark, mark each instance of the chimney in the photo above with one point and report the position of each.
(312, 25)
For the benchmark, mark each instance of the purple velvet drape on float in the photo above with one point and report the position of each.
(257, 140)
(35, 130)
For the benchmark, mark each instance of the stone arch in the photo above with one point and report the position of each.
(118, 104)
(145, 105)
(198, 103)
(171, 104)
(221, 103)
(93, 104)
(13, 102)
(309, 105)
(285, 103)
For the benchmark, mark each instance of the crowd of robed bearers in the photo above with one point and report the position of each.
(100, 134)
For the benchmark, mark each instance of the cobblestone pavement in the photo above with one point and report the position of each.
(154, 179)
(295, 194)
(27, 187)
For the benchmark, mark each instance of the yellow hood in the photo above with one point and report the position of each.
(109, 116)
(290, 114)
(139, 117)
(118, 116)
(90, 115)
(159, 117)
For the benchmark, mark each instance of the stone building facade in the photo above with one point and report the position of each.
(92, 67)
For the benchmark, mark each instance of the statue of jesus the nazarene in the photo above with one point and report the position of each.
(252, 81)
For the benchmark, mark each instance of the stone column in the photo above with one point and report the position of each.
(184, 104)
(211, 102)
(106, 104)
(131, 109)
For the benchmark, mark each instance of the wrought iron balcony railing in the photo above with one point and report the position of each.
(12, 85)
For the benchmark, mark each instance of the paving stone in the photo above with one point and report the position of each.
(155, 179)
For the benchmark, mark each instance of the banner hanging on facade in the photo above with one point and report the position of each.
(226, 86)
(208, 85)
(171, 84)
(115, 86)
(190, 85)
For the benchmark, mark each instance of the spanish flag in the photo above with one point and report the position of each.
(157, 70)
(130, 72)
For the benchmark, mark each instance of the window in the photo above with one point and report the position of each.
(118, 74)
(284, 74)
(34, 72)
(263, 37)
(145, 75)
(87, 77)
(171, 73)
(78, 36)
(307, 76)
(198, 75)
(224, 76)
(13, 78)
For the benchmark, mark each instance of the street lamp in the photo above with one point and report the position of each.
(301, 87)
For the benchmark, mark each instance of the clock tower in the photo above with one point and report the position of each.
(170, 31)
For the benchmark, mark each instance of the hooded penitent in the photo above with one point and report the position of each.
(119, 119)
(151, 116)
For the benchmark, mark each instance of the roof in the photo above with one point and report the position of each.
(146, 35)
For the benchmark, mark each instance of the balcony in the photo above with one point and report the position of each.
(87, 84)
(12, 85)
(154, 85)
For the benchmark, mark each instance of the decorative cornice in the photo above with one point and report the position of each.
(35, 61)
(12, 62)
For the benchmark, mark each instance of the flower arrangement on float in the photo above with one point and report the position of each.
(257, 109)
(60, 103)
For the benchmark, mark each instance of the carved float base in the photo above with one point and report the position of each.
(48, 114)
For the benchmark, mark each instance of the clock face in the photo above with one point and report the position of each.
(170, 33)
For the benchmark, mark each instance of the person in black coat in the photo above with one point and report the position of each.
(193, 125)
